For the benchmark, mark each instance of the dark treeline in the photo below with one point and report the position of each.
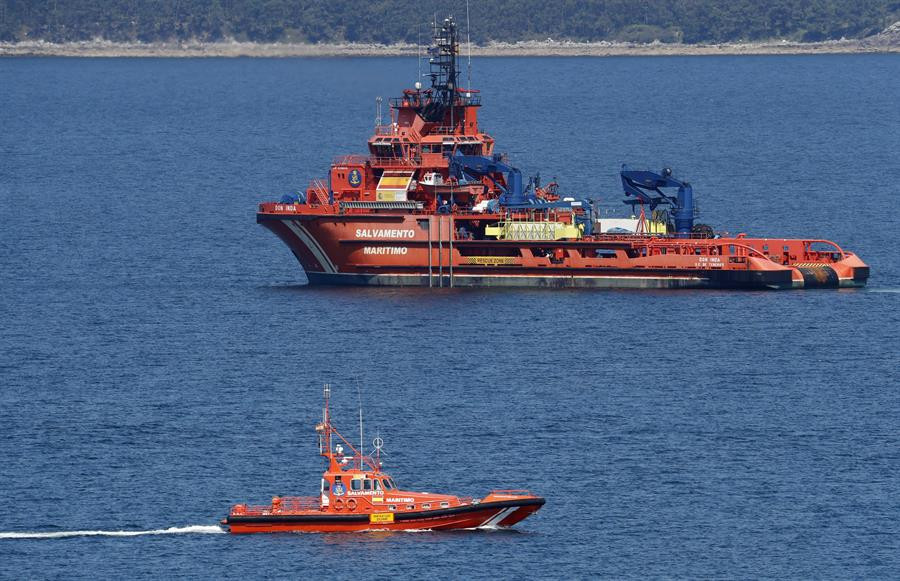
(389, 21)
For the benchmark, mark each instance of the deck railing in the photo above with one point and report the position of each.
(320, 190)
(398, 130)
(395, 161)
(287, 504)
(357, 159)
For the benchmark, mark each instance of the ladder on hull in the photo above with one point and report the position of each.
(441, 220)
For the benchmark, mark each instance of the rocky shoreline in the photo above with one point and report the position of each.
(885, 42)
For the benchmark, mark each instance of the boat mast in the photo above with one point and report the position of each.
(443, 70)
(469, 50)
(361, 441)
(336, 457)
(324, 428)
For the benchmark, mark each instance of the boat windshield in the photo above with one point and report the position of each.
(388, 485)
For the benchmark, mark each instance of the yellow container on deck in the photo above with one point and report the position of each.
(534, 231)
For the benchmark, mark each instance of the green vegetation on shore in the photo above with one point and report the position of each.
(390, 21)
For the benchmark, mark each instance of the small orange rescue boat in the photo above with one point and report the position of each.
(356, 495)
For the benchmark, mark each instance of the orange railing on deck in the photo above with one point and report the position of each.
(288, 504)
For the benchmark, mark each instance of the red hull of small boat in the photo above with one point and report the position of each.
(487, 515)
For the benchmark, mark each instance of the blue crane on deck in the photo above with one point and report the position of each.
(515, 195)
(647, 188)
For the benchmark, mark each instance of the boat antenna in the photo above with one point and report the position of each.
(326, 421)
(469, 50)
(361, 440)
(379, 444)
(419, 56)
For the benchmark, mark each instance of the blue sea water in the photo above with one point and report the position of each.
(161, 358)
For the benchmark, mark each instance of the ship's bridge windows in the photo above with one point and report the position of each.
(470, 148)
(367, 484)
(382, 150)
(387, 484)
(356, 484)
(387, 149)
(376, 485)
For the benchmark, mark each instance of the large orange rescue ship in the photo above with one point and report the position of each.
(356, 495)
(433, 205)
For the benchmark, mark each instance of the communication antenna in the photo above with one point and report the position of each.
(325, 443)
(419, 57)
(469, 50)
(377, 111)
(378, 443)
(361, 440)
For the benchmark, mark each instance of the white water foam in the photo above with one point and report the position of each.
(191, 529)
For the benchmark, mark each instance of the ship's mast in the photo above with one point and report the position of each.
(324, 429)
(444, 69)
(468, 50)
(361, 440)
(336, 457)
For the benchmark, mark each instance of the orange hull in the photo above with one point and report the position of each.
(416, 250)
(500, 514)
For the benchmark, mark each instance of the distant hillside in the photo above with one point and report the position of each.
(390, 21)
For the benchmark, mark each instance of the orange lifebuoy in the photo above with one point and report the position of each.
(351, 504)
(338, 504)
